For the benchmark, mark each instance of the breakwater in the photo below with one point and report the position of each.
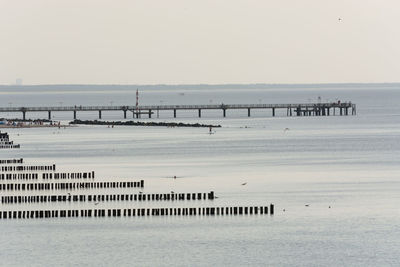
(140, 123)
(106, 197)
(11, 161)
(141, 212)
(68, 186)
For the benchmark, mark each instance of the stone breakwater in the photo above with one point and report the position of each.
(140, 123)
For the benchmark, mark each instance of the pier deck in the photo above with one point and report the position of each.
(299, 109)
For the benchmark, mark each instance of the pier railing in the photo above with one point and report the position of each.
(171, 107)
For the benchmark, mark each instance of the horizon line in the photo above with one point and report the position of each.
(195, 84)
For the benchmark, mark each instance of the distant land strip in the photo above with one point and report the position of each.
(140, 123)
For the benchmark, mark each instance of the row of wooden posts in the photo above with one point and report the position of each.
(4, 136)
(12, 161)
(9, 146)
(6, 143)
(56, 176)
(73, 175)
(69, 185)
(19, 176)
(107, 197)
(199, 211)
(28, 168)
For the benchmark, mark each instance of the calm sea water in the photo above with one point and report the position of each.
(351, 164)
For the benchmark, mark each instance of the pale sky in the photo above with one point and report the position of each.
(202, 41)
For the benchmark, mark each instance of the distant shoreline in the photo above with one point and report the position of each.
(197, 86)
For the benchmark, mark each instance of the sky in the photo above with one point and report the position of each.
(201, 41)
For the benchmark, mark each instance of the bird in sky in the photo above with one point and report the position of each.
(339, 19)
(307, 205)
(244, 183)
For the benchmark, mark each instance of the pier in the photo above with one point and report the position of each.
(299, 109)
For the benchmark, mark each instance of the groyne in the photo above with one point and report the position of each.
(140, 212)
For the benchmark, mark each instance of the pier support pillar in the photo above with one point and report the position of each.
(323, 111)
(74, 114)
(224, 112)
(248, 112)
(290, 112)
(24, 115)
(347, 111)
(341, 111)
(49, 115)
(124, 114)
(298, 111)
(149, 113)
(273, 112)
(100, 114)
(328, 111)
(174, 113)
(199, 113)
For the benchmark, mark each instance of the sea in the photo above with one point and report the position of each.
(334, 180)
